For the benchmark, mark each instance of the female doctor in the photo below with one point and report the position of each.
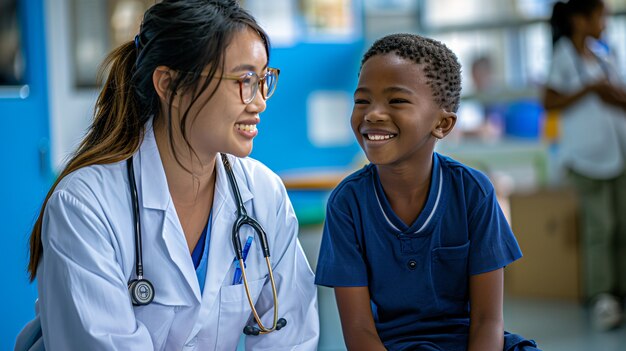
(133, 248)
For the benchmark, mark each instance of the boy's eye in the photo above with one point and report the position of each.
(360, 101)
(398, 101)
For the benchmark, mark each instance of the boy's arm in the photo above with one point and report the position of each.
(486, 321)
(357, 322)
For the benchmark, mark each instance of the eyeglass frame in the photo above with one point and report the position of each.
(261, 80)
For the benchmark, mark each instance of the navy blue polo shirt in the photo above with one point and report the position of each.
(417, 275)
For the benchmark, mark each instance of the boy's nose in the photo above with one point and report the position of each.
(376, 115)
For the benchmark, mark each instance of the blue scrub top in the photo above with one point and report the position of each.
(200, 254)
(417, 274)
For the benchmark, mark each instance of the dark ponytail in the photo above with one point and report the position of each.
(562, 12)
(114, 135)
(559, 22)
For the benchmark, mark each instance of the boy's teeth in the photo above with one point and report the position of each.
(379, 136)
(246, 127)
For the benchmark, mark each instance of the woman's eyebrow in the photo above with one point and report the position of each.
(246, 67)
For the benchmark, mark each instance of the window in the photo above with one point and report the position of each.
(505, 47)
(95, 35)
(11, 60)
(288, 22)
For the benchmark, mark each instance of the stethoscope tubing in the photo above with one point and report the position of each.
(263, 329)
(242, 216)
(242, 219)
(137, 219)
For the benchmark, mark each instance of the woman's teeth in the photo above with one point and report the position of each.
(246, 127)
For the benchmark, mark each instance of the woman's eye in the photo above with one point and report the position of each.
(246, 81)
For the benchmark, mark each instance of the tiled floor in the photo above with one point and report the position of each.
(555, 325)
(560, 326)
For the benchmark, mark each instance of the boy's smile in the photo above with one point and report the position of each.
(376, 135)
(394, 113)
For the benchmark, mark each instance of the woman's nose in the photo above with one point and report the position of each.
(258, 104)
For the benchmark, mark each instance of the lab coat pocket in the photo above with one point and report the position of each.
(234, 312)
(450, 274)
(158, 319)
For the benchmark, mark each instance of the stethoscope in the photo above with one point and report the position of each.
(141, 290)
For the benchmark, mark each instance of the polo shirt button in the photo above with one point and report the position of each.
(412, 264)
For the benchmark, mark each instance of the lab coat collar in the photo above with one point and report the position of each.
(222, 186)
(155, 192)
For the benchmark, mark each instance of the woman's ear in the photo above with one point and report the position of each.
(446, 122)
(162, 80)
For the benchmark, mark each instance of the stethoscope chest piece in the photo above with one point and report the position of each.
(141, 292)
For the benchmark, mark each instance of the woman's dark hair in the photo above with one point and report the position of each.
(562, 12)
(441, 66)
(184, 35)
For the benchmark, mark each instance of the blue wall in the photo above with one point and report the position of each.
(283, 144)
(25, 175)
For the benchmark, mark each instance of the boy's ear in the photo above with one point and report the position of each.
(161, 79)
(447, 120)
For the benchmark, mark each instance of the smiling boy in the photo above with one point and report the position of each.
(414, 238)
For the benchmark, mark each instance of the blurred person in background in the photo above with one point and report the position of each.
(584, 86)
(161, 177)
(482, 72)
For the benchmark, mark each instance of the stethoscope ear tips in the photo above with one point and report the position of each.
(250, 330)
(141, 292)
(281, 323)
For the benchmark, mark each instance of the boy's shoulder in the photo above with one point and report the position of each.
(358, 183)
(354, 182)
(460, 172)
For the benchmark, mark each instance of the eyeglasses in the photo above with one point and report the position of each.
(250, 82)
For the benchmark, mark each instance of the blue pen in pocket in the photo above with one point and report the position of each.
(237, 276)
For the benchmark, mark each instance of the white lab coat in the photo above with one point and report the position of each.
(89, 257)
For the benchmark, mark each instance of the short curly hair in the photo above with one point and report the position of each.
(441, 66)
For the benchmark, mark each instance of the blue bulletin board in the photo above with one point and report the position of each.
(285, 140)
(305, 131)
(26, 175)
